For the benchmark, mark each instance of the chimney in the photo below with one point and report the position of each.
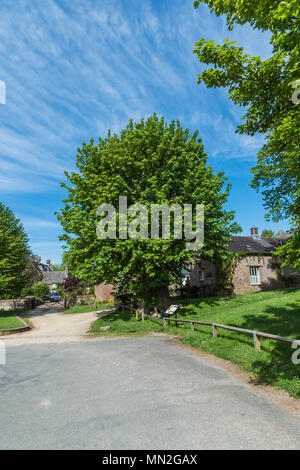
(254, 232)
(48, 261)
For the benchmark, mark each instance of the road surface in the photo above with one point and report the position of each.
(132, 393)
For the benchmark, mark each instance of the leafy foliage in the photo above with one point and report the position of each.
(290, 251)
(70, 290)
(265, 88)
(71, 284)
(58, 267)
(150, 162)
(268, 234)
(40, 289)
(14, 254)
(31, 272)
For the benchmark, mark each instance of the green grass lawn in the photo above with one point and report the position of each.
(89, 308)
(9, 320)
(276, 312)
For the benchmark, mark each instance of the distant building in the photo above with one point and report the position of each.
(256, 270)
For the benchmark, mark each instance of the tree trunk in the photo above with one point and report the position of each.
(163, 299)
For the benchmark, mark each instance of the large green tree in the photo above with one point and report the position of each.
(270, 91)
(14, 254)
(150, 162)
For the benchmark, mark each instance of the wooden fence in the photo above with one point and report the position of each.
(256, 334)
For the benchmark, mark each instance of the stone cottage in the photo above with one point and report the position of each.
(256, 270)
(50, 277)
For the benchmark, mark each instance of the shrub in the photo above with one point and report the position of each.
(71, 288)
(40, 289)
(26, 292)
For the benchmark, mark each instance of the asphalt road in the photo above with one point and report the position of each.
(132, 393)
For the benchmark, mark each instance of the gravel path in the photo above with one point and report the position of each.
(51, 326)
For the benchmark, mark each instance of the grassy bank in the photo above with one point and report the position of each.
(276, 312)
(9, 320)
(89, 308)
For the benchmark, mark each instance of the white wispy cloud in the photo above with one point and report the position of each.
(74, 69)
(32, 222)
(46, 244)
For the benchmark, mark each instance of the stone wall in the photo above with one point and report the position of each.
(17, 304)
(104, 292)
(209, 281)
(268, 276)
(86, 299)
(269, 279)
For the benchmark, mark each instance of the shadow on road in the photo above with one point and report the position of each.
(48, 308)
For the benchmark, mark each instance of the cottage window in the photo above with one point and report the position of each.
(254, 275)
(201, 275)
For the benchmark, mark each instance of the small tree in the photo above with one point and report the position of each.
(70, 288)
(14, 254)
(39, 290)
(58, 267)
(31, 273)
(268, 234)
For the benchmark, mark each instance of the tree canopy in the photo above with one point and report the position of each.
(14, 255)
(150, 162)
(270, 91)
(268, 234)
(57, 266)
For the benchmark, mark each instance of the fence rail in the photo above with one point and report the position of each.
(256, 334)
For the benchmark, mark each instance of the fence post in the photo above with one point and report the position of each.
(215, 333)
(256, 341)
(192, 326)
(164, 322)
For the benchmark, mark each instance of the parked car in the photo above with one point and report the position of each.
(55, 297)
(47, 296)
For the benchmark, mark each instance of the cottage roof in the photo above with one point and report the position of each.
(42, 267)
(53, 277)
(250, 244)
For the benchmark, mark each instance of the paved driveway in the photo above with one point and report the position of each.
(136, 393)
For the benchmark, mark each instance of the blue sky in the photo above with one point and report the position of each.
(74, 69)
